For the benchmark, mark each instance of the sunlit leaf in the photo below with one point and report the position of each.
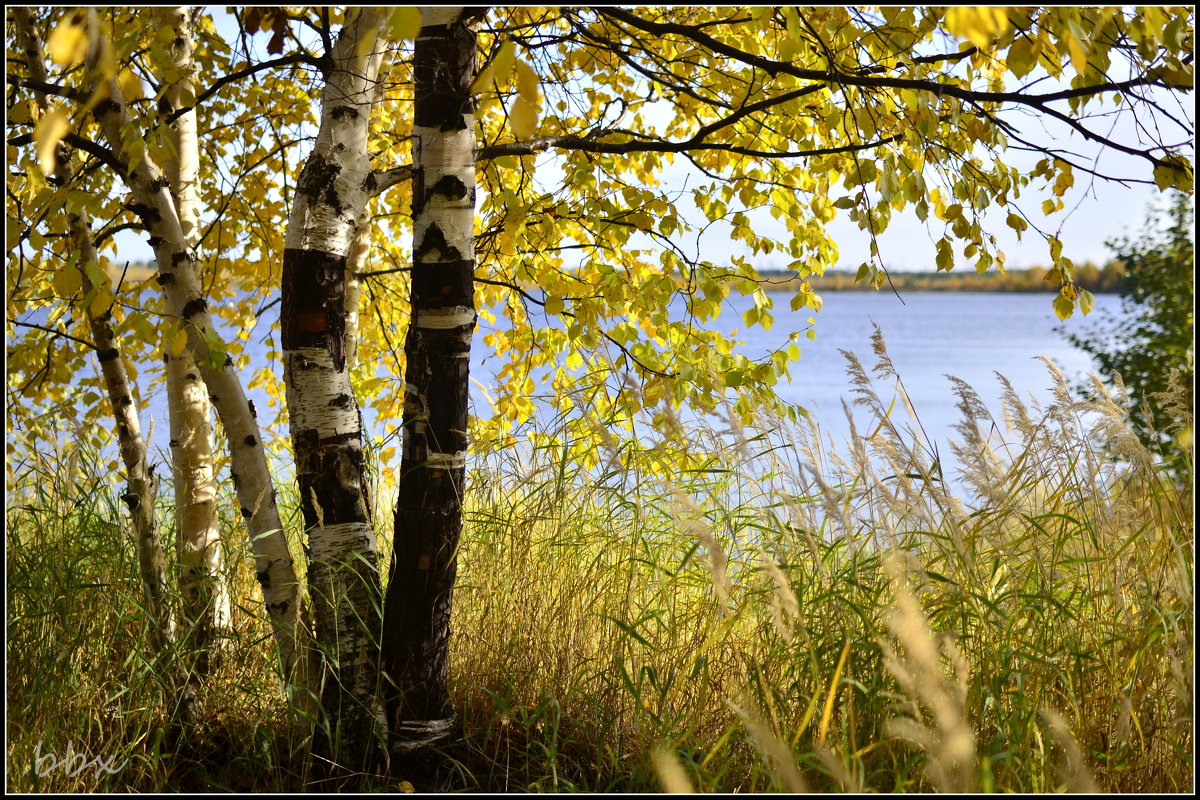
(68, 44)
(406, 22)
(49, 131)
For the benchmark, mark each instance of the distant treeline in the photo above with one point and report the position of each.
(1108, 278)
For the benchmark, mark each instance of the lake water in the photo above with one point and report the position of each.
(928, 335)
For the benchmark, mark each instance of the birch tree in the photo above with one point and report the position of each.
(437, 352)
(205, 594)
(327, 436)
(142, 486)
(150, 189)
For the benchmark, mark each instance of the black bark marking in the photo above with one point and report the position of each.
(264, 578)
(212, 398)
(106, 106)
(247, 513)
(444, 71)
(132, 500)
(174, 443)
(435, 248)
(253, 413)
(278, 608)
(125, 401)
(196, 305)
(164, 278)
(450, 187)
(370, 183)
(109, 355)
(228, 360)
(191, 376)
(251, 441)
(314, 303)
(341, 401)
(160, 183)
(164, 106)
(318, 180)
(443, 284)
(178, 258)
(155, 241)
(344, 112)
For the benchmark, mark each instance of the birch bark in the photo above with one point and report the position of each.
(142, 486)
(327, 439)
(428, 516)
(150, 189)
(205, 594)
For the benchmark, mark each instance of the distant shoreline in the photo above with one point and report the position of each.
(1109, 279)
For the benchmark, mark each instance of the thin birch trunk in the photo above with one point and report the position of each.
(142, 486)
(252, 479)
(205, 594)
(428, 518)
(327, 438)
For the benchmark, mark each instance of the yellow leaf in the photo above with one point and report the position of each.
(67, 281)
(1078, 54)
(179, 343)
(101, 302)
(1063, 307)
(524, 119)
(527, 83)
(49, 132)
(503, 63)
(406, 22)
(554, 304)
(982, 25)
(1174, 171)
(68, 44)
(130, 85)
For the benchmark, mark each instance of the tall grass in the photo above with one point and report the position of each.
(783, 614)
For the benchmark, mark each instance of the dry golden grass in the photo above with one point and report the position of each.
(782, 615)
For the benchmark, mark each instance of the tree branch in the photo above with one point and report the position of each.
(79, 143)
(571, 142)
(44, 87)
(773, 68)
(57, 333)
(222, 82)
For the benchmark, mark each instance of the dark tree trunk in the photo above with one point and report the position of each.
(429, 506)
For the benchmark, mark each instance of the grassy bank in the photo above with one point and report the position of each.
(781, 617)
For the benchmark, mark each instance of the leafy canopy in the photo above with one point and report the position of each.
(590, 253)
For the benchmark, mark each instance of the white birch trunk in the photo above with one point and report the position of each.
(256, 494)
(327, 438)
(142, 485)
(206, 601)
